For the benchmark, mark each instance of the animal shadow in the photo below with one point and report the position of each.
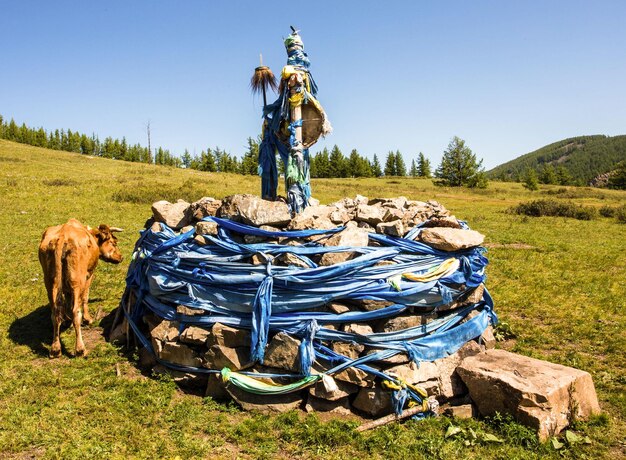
(34, 330)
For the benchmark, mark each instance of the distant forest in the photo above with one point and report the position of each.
(324, 164)
(573, 161)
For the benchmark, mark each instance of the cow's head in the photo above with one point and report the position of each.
(107, 242)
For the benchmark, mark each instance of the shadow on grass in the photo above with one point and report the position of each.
(35, 329)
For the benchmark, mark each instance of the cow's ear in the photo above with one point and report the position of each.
(94, 231)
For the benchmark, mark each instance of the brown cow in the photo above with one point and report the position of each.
(68, 255)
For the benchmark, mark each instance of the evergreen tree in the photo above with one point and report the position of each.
(390, 165)
(376, 168)
(400, 165)
(423, 166)
(337, 163)
(413, 172)
(250, 160)
(320, 164)
(548, 175)
(186, 159)
(207, 161)
(617, 180)
(563, 177)
(531, 182)
(459, 167)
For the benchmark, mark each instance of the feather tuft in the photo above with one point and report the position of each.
(263, 78)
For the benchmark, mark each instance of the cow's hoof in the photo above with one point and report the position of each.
(81, 353)
(87, 321)
(55, 353)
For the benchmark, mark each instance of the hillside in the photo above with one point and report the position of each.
(584, 158)
(560, 296)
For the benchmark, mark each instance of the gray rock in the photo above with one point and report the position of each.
(215, 389)
(253, 210)
(165, 330)
(227, 336)
(542, 395)
(206, 228)
(204, 207)
(400, 323)
(451, 239)
(283, 353)
(288, 259)
(355, 376)
(488, 339)
(189, 311)
(331, 389)
(369, 305)
(375, 402)
(351, 350)
(352, 237)
(174, 215)
(372, 215)
(194, 335)
(219, 357)
(265, 404)
(392, 214)
(358, 328)
(178, 353)
(463, 412)
(339, 216)
(340, 406)
(447, 221)
(394, 228)
(338, 308)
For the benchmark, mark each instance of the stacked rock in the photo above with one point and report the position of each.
(181, 338)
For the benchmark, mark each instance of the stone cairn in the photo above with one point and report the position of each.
(476, 380)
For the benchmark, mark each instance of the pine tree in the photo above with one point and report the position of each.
(186, 159)
(413, 172)
(531, 182)
(376, 168)
(400, 165)
(337, 164)
(390, 165)
(459, 167)
(423, 166)
(563, 177)
(617, 180)
(250, 160)
(548, 175)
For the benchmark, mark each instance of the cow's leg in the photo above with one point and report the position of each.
(85, 300)
(57, 319)
(77, 319)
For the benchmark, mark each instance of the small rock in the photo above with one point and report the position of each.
(356, 377)
(358, 328)
(373, 401)
(394, 228)
(283, 353)
(207, 228)
(392, 214)
(451, 239)
(215, 389)
(339, 216)
(147, 360)
(165, 330)
(266, 404)
(227, 336)
(351, 350)
(448, 221)
(540, 394)
(400, 323)
(352, 237)
(174, 215)
(178, 353)
(219, 357)
(463, 412)
(194, 335)
(204, 207)
(372, 215)
(332, 390)
(338, 308)
(339, 406)
(288, 259)
(189, 311)
(370, 305)
(488, 339)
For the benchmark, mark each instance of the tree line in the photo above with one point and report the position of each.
(459, 166)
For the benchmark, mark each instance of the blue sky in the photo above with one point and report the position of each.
(508, 77)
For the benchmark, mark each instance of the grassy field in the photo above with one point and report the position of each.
(558, 284)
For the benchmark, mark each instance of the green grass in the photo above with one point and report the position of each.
(558, 283)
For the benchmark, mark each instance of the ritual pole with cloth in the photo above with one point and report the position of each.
(292, 124)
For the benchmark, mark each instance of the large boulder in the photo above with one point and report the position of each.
(283, 352)
(206, 206)
(253, 210)
(451, 239)
(537, 393)
(174, 215)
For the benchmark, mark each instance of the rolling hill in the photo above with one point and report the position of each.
(584, 158)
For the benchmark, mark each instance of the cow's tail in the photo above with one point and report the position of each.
(57, 282)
